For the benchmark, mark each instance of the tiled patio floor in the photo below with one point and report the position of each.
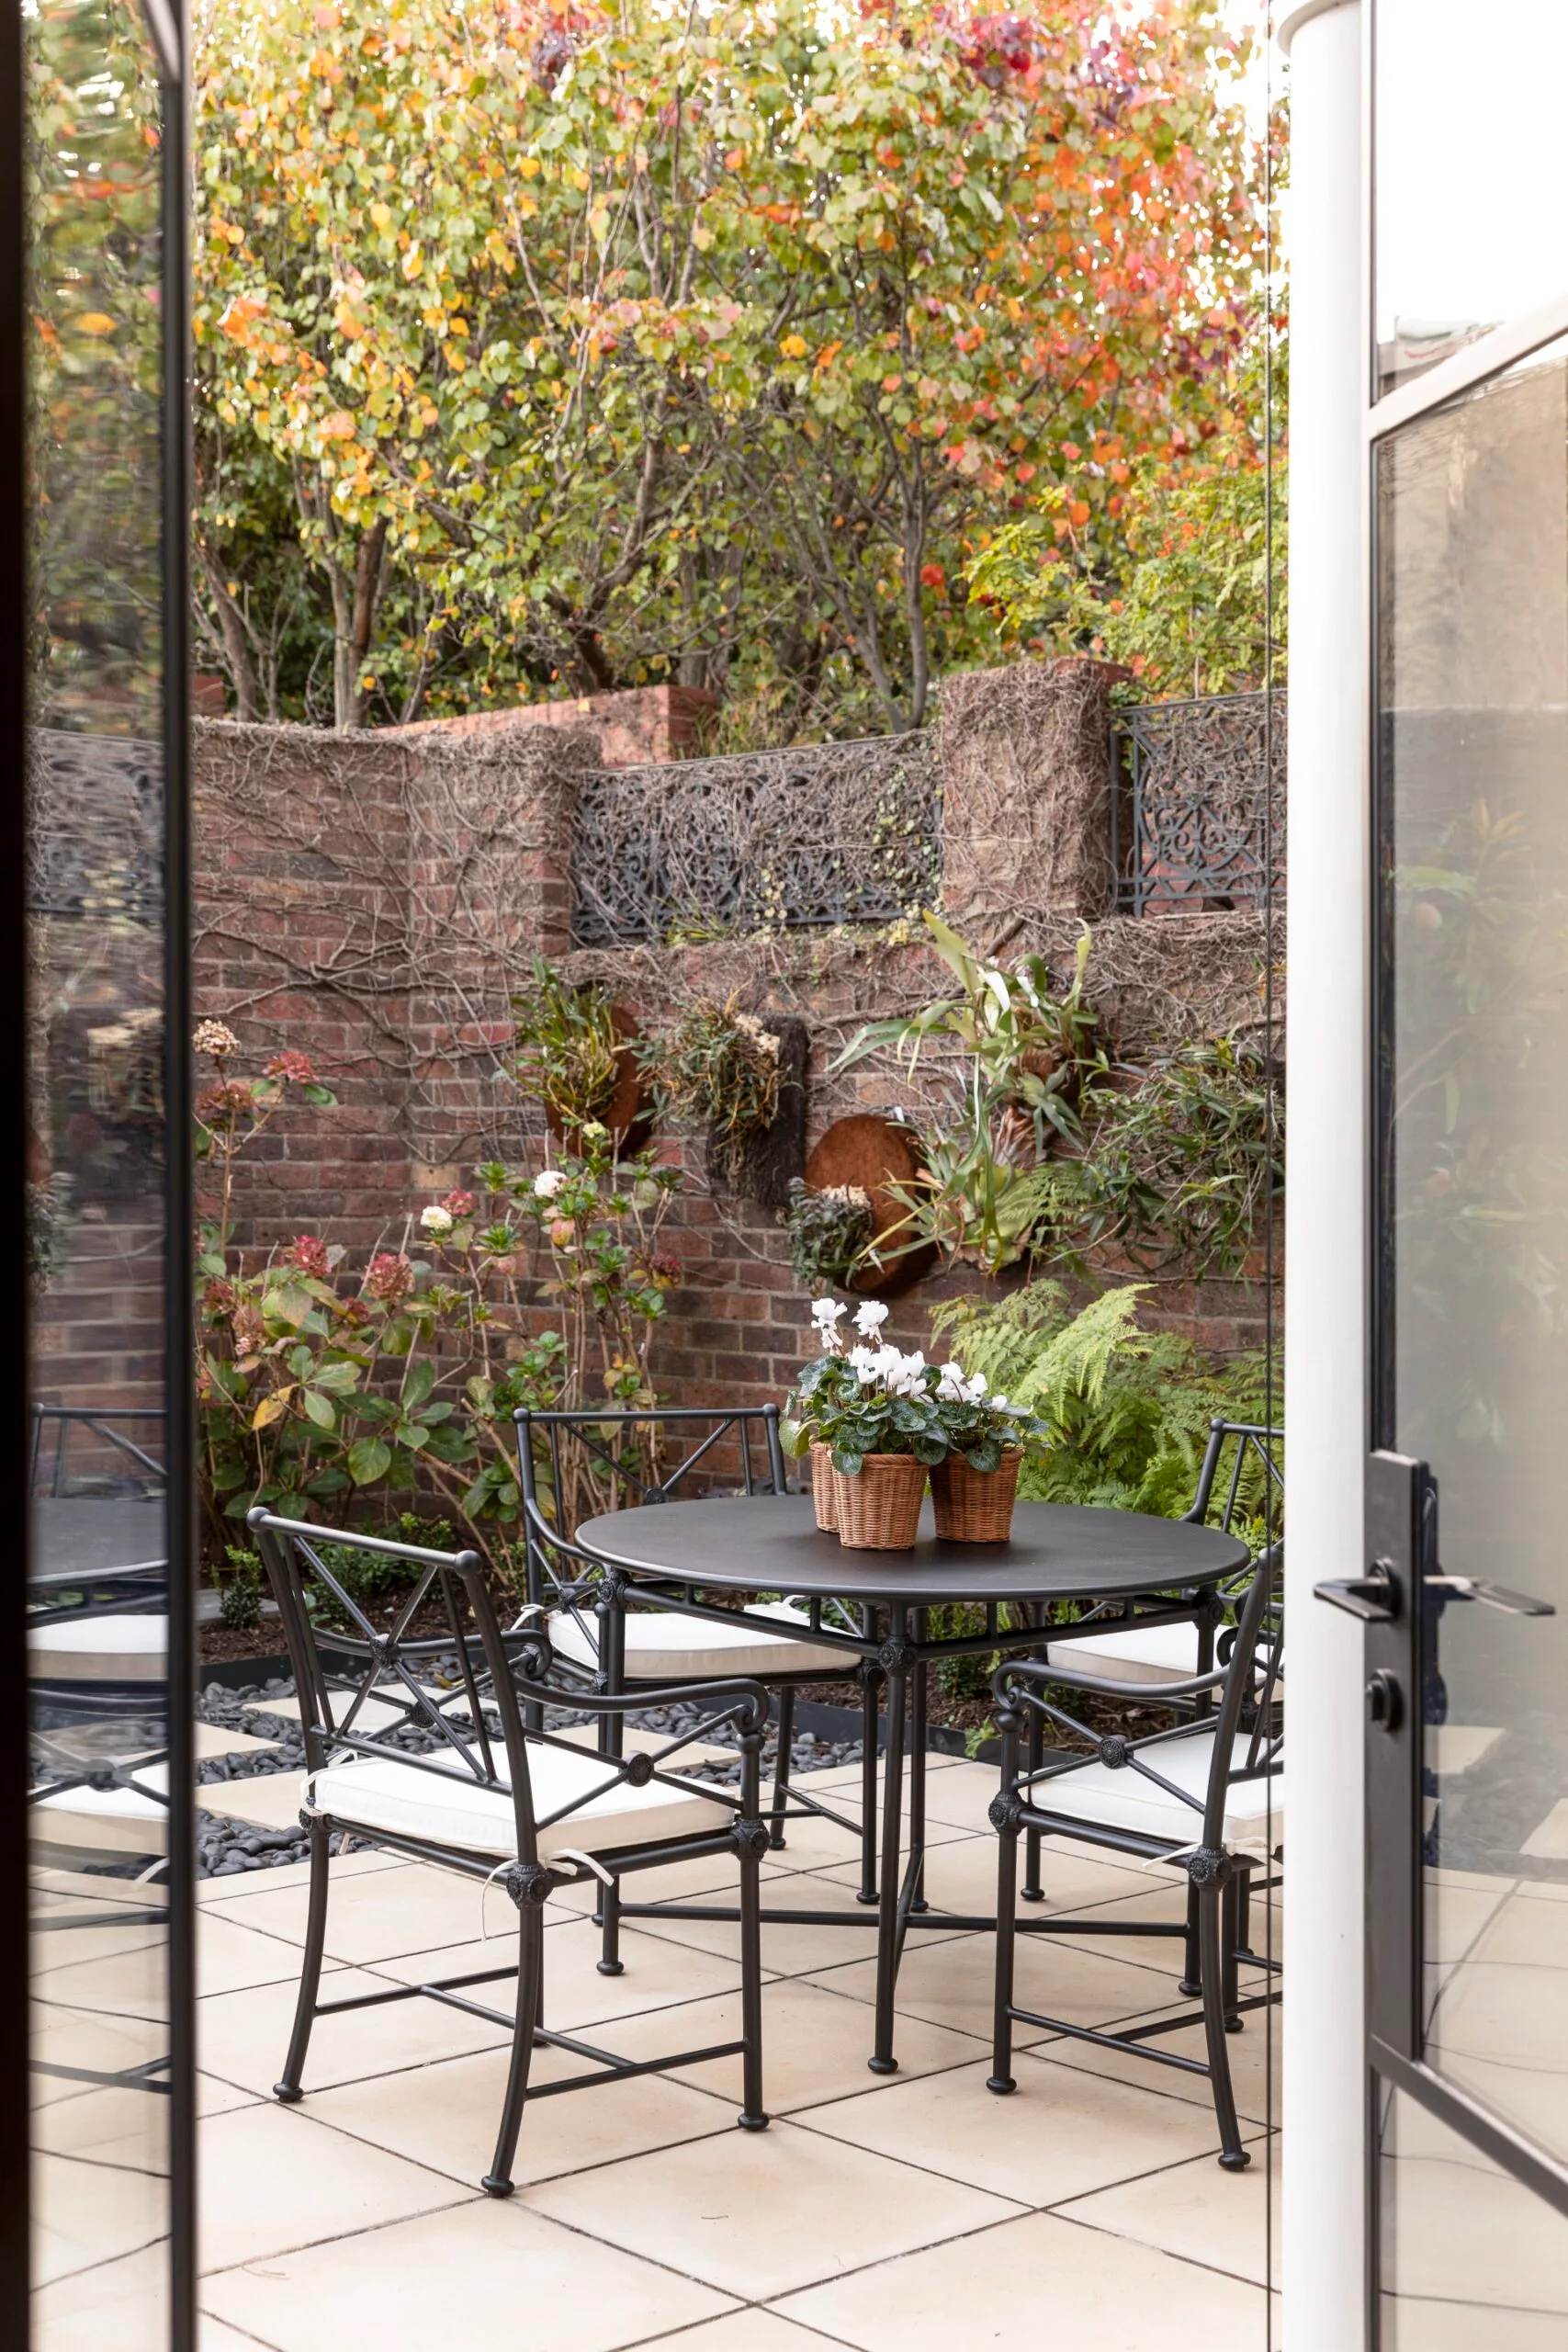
(903, 2215)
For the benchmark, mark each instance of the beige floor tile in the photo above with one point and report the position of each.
(86, 2213)
(1249, 2051)
(1528, 1929)
(131, 1983)
(215, 1739)
(274, 2178)
(1196, 2211)
(447, 2116)
(761, 2214)
(211, 2336)
(268, 1799)
(120, 2306)
(230, 1953)
(815, 2046)
(96, 1933)
(1461, 2327)
(242, 2037)
(106, 2043)
(657, 1971)
(215, 2096)
(379, 1914)
(709, 1874)
(753, 2331)
(1060, 2134)
(951, 1980)
(222, 1892)
(1033, 2282)
(791, 1950)
(487, 2273)
(961, 1874)
(114, 2127)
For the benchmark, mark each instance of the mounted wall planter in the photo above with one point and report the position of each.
(774, 1154)
(873, 1153)
(630, 1111)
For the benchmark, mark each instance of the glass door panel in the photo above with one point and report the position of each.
(1471, 519)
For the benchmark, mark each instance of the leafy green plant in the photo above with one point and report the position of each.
(717, 1069)
(875, 1399)
(828, 1230)
(1186, 1164)
(978, 1207)
(1036, 1055)
(566, 1044)
(240, 1590)
(1129, 1410)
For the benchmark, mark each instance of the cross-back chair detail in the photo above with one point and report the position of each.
(495, 1796)
(1203, 1792)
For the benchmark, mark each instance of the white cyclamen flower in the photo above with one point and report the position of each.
(906, 1377)
(827, 1313)
(435, 1219)
(548, 1183)
(871, 1317)
(952, 1386)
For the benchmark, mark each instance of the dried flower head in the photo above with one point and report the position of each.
(388, 1278)
(849, 1196)
(459, 1204)
(215, 1037)
(751, 1028)
(312, 1256)
(297, 1069)
(229, 1100)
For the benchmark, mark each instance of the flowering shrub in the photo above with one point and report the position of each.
(872, 1398)
(540, 1288)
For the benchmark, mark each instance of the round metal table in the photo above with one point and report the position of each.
(772, 1543)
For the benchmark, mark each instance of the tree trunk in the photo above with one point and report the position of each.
(355, 605)
(231, 630)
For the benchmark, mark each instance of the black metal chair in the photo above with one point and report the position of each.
(1204, 1793)
(491, 1797)
(622, 1649)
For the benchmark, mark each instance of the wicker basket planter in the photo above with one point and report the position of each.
(974, 1506)
(879, 1508)
(825, 1487)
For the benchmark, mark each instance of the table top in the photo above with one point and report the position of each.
(85, 1535)
(772, 1543)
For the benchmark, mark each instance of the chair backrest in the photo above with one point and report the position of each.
(1251, 1483)
(573, 1466)
(65, 1438)
(383, 1662)
(1247, 1734)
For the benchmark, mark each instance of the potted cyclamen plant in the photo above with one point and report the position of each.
(875, 1420)
(974, 1486)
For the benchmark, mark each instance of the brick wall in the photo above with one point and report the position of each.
(371, 899)
(640, 724)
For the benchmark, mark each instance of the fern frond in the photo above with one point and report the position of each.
(1076, 1362)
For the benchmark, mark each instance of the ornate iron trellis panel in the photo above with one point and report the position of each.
(821, 834)
(1192, 806)
(96, 839)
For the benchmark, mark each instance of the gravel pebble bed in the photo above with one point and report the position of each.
(225, 1848)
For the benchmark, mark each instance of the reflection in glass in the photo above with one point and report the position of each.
(1468, 174)
(1472, 522)
(98, 1160)
(1471, 2257)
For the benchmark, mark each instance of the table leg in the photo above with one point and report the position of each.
(870, 1687)
(889, 1922)
(918, 1694)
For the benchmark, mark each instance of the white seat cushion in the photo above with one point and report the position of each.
(108, 1821)
(446, 1808)
(1122, 1798)
(666, 1645)
(98, 1649)
(1155, 1654)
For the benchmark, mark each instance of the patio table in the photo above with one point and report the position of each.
(761, 1543)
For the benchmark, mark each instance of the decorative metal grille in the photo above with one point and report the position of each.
(95, 827)
(1198, 808)
(826, 833)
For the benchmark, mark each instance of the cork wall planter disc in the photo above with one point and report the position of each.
(873, 1153)
(628, 1113)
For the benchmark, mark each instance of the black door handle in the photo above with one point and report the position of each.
(1371, 1598)
(1495, 1596)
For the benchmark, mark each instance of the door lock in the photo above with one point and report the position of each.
(1495, 1596)
(1385, 1702)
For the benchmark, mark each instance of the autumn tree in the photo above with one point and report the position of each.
(623, 344)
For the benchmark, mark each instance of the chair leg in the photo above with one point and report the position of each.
(1031, 1891)
(918, 1694)
(1211, 1914)
(290, 2089)
(1001, 2074)
(1238, 1904)
(610, 1962)
(753, 2116)
(1191, 1982)
(781, 1765)
(866, 1892)
(530, 1974)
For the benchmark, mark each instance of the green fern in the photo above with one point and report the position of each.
(1076, 1364)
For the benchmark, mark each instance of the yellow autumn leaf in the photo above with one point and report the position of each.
(96, 322)
(381, 214)
(271, 1408)
(794, 347)
(413, 262)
